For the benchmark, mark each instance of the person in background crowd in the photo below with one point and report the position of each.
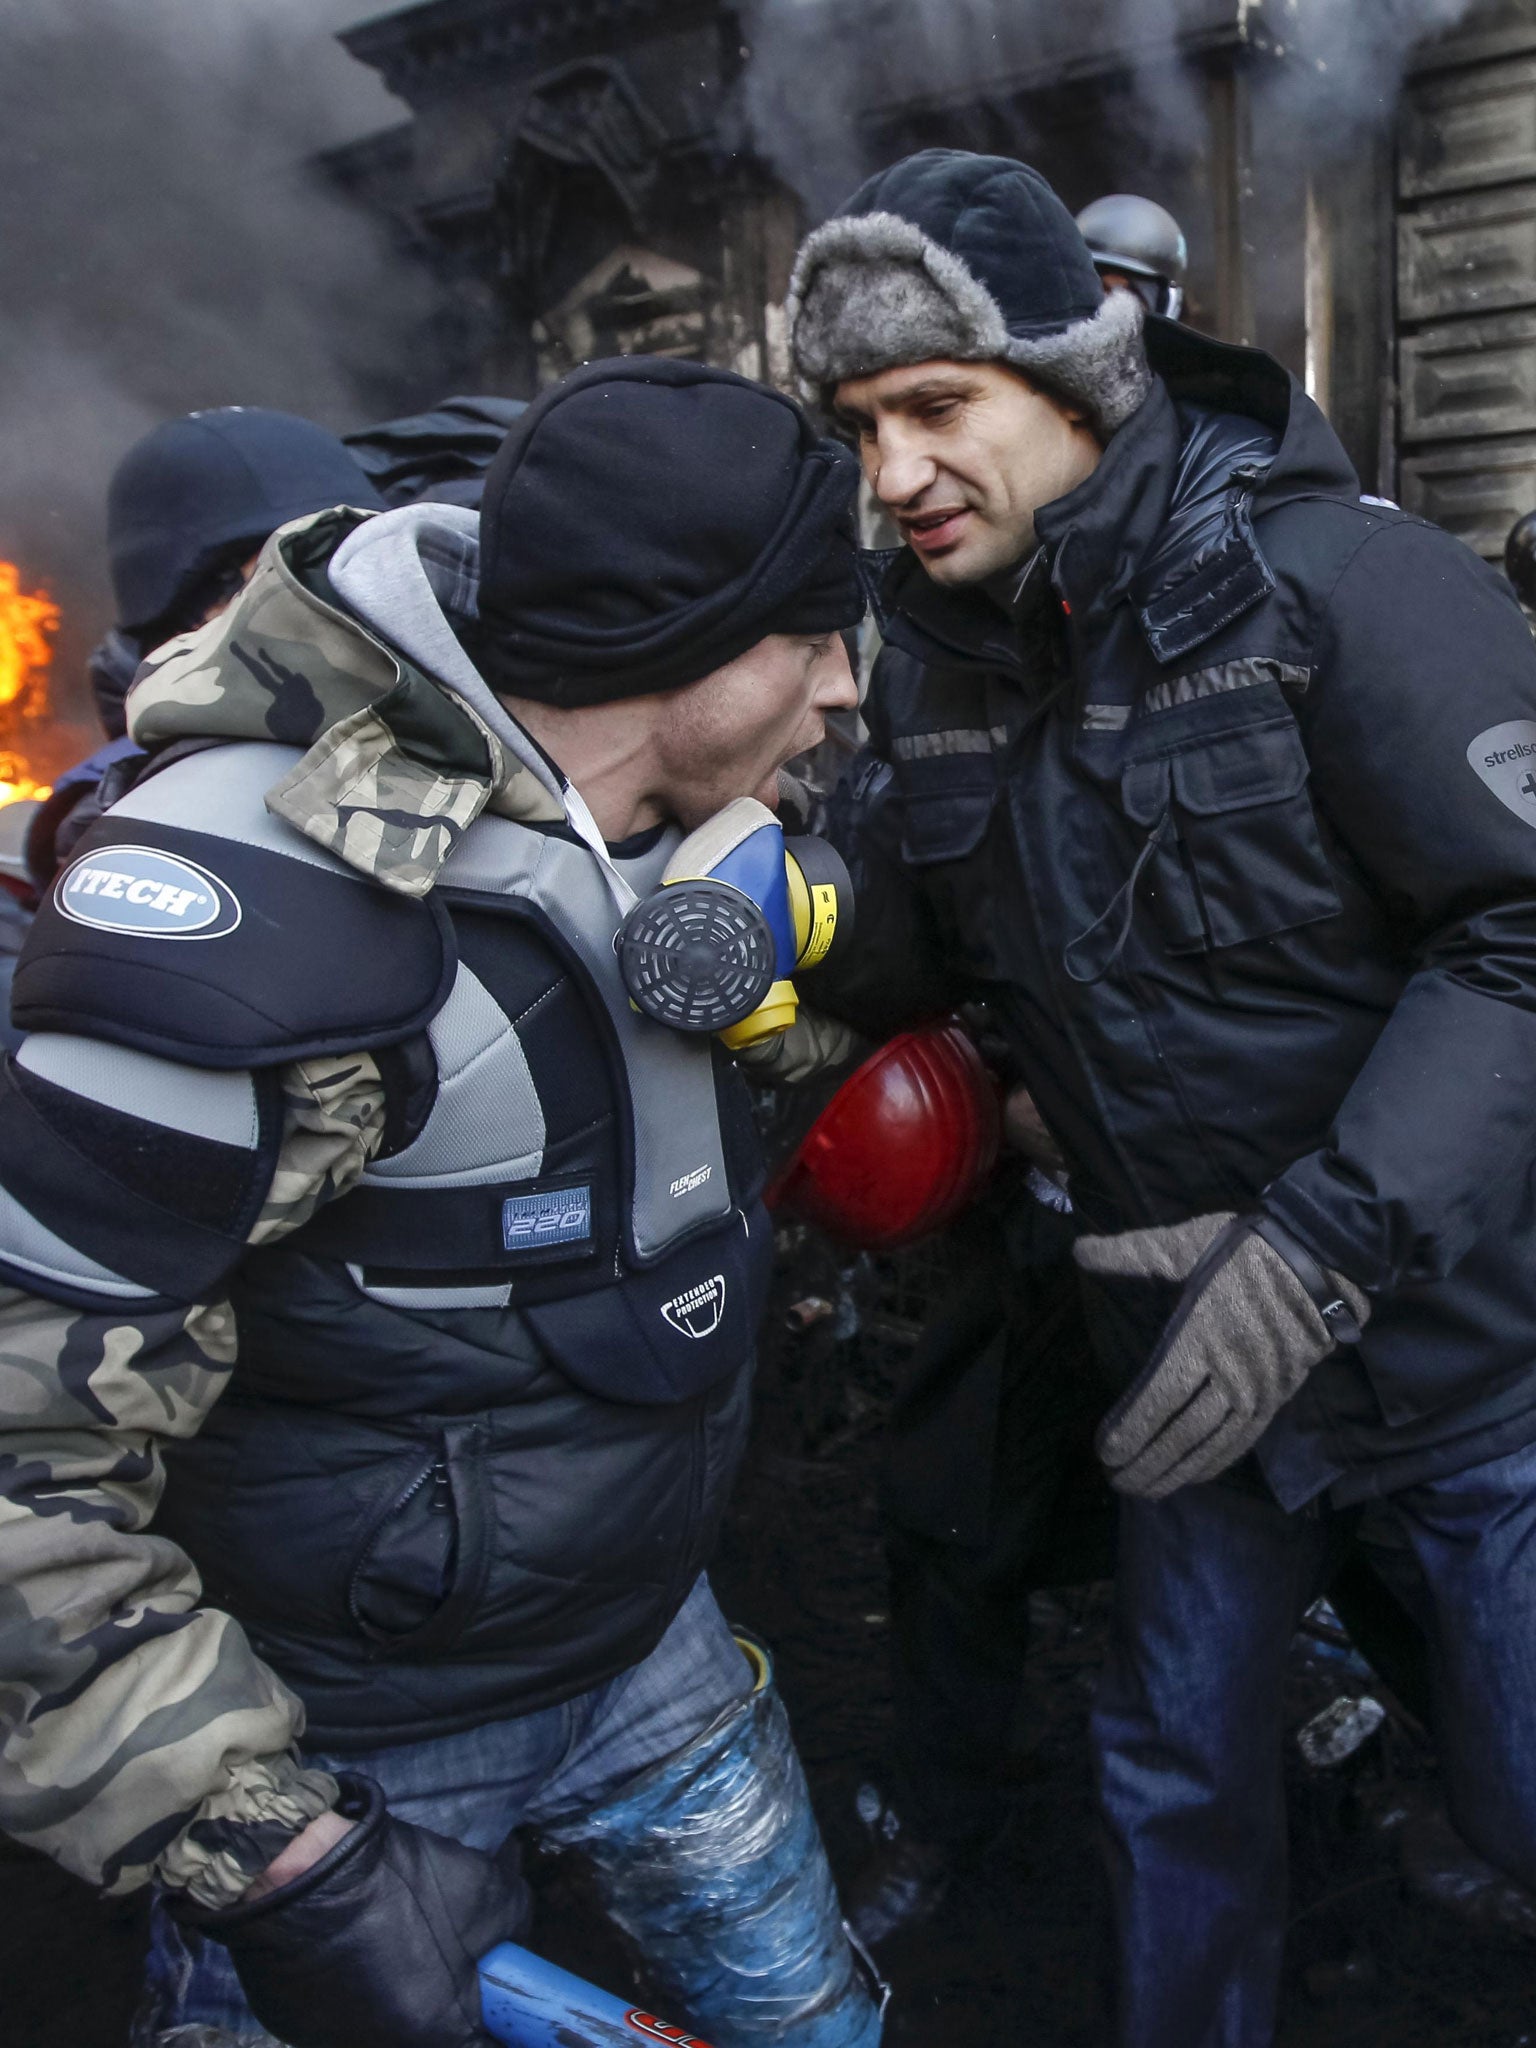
(1137, 246)
(440, 456)
(188, 509)
(989, 1491)
(1213, 782)
(18, 900)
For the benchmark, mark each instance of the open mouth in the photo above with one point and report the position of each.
(932, 533)
(768, 789)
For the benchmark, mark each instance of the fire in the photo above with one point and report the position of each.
(27, 625)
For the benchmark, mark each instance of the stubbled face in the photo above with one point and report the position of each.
(729, 734)
(962, 456)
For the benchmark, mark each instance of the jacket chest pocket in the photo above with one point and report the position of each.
(1238, 855)
(946, 806)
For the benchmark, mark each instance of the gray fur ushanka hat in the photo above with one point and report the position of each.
(969, 258)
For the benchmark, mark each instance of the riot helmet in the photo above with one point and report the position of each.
(1137, 243)
(197, 494)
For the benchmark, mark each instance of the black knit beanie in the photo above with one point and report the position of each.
(647, 521)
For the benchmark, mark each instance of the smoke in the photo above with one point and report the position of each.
(821, 72)
(163, 246)
(1348, 60)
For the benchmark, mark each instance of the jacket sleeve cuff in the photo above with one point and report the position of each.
(1344, 1307)
(1317, 1227)
(240, 1829)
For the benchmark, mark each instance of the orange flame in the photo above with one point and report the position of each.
(27, 624)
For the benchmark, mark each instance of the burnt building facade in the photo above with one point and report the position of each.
(567, 164)
(1461, 324)
(596, 177)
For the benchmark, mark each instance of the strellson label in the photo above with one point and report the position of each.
(1504, 757)
(142, 893)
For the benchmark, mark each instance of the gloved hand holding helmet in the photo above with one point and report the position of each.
(1256, 1315)
(740, 909)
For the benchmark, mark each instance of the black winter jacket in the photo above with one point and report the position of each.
(1237, 834)
(428, 1516)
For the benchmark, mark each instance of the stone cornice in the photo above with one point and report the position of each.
(1089, 41)
(444, 43)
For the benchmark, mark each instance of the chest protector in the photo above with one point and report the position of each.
(579, 1164)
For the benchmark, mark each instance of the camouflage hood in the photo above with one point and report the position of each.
(342, 643)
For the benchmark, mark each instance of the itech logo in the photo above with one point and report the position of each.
(697, 1312)
(142, 893)
(658, 2030)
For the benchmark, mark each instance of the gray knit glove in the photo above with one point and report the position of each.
(1257, 1314)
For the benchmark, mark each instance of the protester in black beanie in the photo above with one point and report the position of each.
(646, 522)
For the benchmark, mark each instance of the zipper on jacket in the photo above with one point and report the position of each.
(441, 1502)
(401, 1501)
(696, 1491)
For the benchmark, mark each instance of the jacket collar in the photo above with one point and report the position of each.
(403, 750)
(1109, 540)
(1098, 535)
(933, 623)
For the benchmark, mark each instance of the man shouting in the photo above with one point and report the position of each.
(334, 1105)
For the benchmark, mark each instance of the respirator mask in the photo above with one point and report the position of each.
(740, 910)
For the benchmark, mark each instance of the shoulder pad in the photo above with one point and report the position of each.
(194, 924)
(125, 1178)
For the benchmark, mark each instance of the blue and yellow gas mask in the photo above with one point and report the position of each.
(740, 910)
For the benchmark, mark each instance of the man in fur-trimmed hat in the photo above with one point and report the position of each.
(1214, 781)
(1042, 362)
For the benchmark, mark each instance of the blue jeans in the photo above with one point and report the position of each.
(480, 1785)
(1188, 1726)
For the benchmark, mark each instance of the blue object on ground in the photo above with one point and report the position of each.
(530, 2003)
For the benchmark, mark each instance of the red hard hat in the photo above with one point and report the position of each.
(903, 1146)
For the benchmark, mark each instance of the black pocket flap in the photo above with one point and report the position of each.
(670, 1332)
(945, 827)
(946, 806)
(1144, 791)
(420, 1569)
(1260, 765)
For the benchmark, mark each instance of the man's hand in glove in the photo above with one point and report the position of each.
(1257, 1313)
(378, 1941)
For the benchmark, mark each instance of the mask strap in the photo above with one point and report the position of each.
(585, 826)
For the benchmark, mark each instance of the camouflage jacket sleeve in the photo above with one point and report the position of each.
(140, 1736)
